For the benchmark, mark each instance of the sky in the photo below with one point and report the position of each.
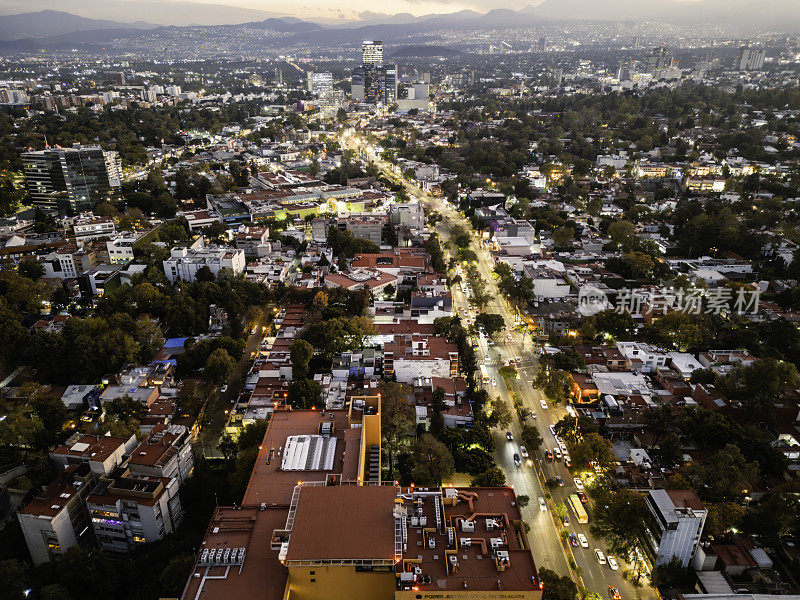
(233, 11)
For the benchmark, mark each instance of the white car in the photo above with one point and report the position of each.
(601, 558)
(582, 539)
(494, 382)
(224, 388)
(579, 484)
(542, 504)
(543, 404)
(612, 563)
(553, 430)
(524, 451)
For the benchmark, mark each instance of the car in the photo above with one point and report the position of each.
(524, 451)
(563, 447)
(582, 497)
(567, 460)
(517, 460)
(565, 520)
(613, 593)
(509, 436)
(579, 484)
(542, 504)
(557, 453)
(598, 554)
(612, 563)
(582, 539)
(553, 430)
(494, 382)
(559, 481)
(224, 388)
(543, 404)
(573, 540)
(508, 336)
(548, 455)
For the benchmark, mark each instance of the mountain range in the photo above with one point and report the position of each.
(51, 27)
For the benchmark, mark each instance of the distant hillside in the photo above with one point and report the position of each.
(47, 23)
(286, 24)
(424, 52)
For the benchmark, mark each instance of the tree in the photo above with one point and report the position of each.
(672, 574)
(722, 517)
(725, 475)
(12, 579)
(492, 323)
(252, 435)
(397, 419)
(189, 400)
(227, 446)
(31, 268)
(219, 367)
(590, 450)
(562, 236)
(531, 437)
(492, 477)
(557, 587)
(149, 337)
(431, 461)
(523, 500)
(620, 517)
(301, 353)
(173, 578)
(623, 234)
(501, 413)
(304, 393)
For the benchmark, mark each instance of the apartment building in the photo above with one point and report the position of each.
(102, 453)
(184, 263)
(248, 240)
(75, 177)
(409, 357)
(676, 526)
(120, 247)
(56, 519)
(129, 510)
(165, 453)
(91, 228)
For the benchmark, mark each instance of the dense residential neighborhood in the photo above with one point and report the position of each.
(522, 323)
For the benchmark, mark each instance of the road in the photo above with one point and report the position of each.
(214, 414)
(545, 534)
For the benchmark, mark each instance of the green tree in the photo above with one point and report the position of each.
(31, 268)
(492, 477)
(219, 367)
(591, 450)
(531, 437)
(501, 413)
(726, 475)
(304, 393)
(557, 587)
(620, 518)
(431, 461)
(301, 353)
(397, 419)
(492, 323)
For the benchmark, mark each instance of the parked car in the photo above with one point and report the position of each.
(582, 539)
(579, 484)
(223, 389)
(573, 540)
(553, 430)
(542, 504)
(543, 404)
(598, 554)
(565, 520)
(557, 453)
(612, 562)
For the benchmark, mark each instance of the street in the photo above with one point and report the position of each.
(545, 535)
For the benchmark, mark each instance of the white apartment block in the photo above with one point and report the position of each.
(184, 263)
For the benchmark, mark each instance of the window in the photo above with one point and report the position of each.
(313, 580)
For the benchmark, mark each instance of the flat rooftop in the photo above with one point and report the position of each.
(268, 483)
(345, 522)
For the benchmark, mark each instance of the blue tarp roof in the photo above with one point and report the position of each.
(175, 342)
